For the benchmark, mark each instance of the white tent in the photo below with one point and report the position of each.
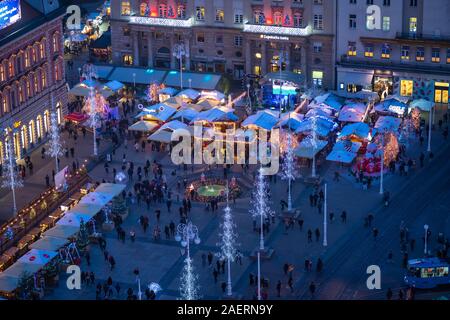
(189, 94)
(38, 257)
(89, 208)
(291, 120)
(60, 231)
(49, 243)
(353, 113)
(341, 156)
(110, 189)
(186, 114)
(161, 136)
(307, 149)
(422, 104)
(19, 268)
(388, 124)
(74, 219)
(261, 120)
(213, 95)
(95, 198)
(144, 126)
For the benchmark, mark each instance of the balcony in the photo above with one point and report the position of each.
(162, 22)
(276, 30)
(421, 36)
(371, 63)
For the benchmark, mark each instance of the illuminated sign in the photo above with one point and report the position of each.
(9, 12)
(269, 30)
(263, 36)
(285, 90)
(165, 22)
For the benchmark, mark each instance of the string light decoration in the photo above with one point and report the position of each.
(10, 175)
(289, 171)
(228, 244)
(55, 148)
(260, 204)
(189, 282)
(391, 147)
(90, 73)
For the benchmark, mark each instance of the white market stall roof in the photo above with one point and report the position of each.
(217, 114)
(114, 85)
(73, 219)
(144, 126)
(38, 257)
(422, 104)
(175, 102)
(323, 126)
(110, 189)
(348, 146)
(398, 98)
(8, 283)
(142, 76)
(95, 200)
(359, 129)
(388, 124)
(60, 231)
(168, 91)
(341, 156)
(173, 125)
(201, 81)
(83, 89)
(19, 268)
(189, 94)
(186, 114)
(317, 111)
(307, 149)
(49, 243)
(353, 113)
(159, 111)
(262, 120)
(161, 136)
(86, 208)
(208, 104)
(291, 120)
(212, 95)
(391, 106)
(164, 134)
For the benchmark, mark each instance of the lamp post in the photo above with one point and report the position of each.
(134, 82)
(314, 144)
(190, 83)
(325, 236)
(429, 129)
(248, 95)
(187, 232)
(179, 51)
(382, 166)
(425, 250)
(259, 275)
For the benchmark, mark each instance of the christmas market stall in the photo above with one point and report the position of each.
(354, 112)
(308, 148)
(392, 107)
(262, 120)
(290, 121)
(144, 126)
(166, 93)
(388, 123)
(49, 243)
(189, 95)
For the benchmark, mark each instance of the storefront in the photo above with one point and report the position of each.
(441, 92)
(383, 82)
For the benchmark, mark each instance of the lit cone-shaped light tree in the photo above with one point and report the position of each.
(189, 282)
(314, 144)
(228, 243)
(55, 148)
(260, 204)
(90, 73)
(289, 171)
(10, 177)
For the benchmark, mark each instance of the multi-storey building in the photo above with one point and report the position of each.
(228, 36)
(32, 78)
(400, 45)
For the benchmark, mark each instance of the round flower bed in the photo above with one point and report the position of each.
(212, 189)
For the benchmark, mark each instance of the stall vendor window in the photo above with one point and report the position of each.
(406, 88)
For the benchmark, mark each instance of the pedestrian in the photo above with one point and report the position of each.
(312, 289)
(47, 181)
(210, 258)
(286, 268)
(319, 267)
(224, 286)
(132, 236)
(344, 216)
(390, 256)
(88, 258)
(400, 294)
(300, 223)
(112, 262)
(389, 294)
(317, 233)
(291, 284)
(375, 233)
(43, 153)
(279, 289)
(215, 275)
(309, 236)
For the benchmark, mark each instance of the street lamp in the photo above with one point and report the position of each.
(134, 82)
(382, 165)
(180, 50)
(325, 236)
(429, 129)
(249, 98)
(190, 83)
(90, 73)
(425, 250)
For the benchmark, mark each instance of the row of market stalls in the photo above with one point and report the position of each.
(58, 245)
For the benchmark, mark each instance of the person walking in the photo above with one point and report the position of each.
(309, 236)
(215, 275)
(291, 284)
(312, 289)
(317, 233)
(344, 216)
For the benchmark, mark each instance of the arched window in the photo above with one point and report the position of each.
(31, 131)
(5, 101)
(46, 120)
(36, 82)
(42, 49)
(2, 72)
(39, 126)
(23, 137)
(56, 42)
(27, 58)
(11, 69)
(44, 78)
(278, 18)
(163, 10)
(20, 92)
(144, 9)
(59, 112)
(28, 86)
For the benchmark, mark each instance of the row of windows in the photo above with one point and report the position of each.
(386, 3)
(26, 58)
(27, 87)
(405, 52)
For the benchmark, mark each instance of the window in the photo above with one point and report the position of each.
(385, 51)
(317, 77)
(162, 11)
(420, 54)
(125, 8)
(220, 15)
(436, 55)
(386, 3)
(298, 19)
(368, 52)
(413, 25)
(352, 1)
(36, 83)
(259, 17)
(369, 2)
(352, 21)
(448, 55)
(406, 88)
(42, 50)
(58, 71)
(27, 59)
(33, 55)
(127, 59)
(318, 22)
(200, 38)
(20, 89)
(405, 53)
(386, 23)
(144, 9)
(181, 11)
(351, 49)
(31, 131)
(200, 13)
(29, 93)
(238, 17)
(11, 67)
(317, 47)
(219, 39)
(278, 19)
(413, 3)
(55, 42)
(238, 41)
(2, 72)
(43, 79)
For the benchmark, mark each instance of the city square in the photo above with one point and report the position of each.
(224, 150)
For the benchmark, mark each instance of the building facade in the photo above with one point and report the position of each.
(234, 37)
(32, 77)
(394, 46)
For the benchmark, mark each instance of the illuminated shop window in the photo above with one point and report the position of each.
(406, 88)
(125, 8)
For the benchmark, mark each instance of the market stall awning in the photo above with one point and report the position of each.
(422, 104)
(161, 136)
(322, 126)
(341, 156)
(103, 71)
(212, 95)
(144, 126)
(114, 85)
(186, 114)
(76, 117)
(19, 268)
(88, 208)
(96, 200)
(49, 243)
(74, 219)
(388, 124)
(160, 111)
(38, 257)
(173, 125)
(208, 104)
(307, 149)
(391, 106)
(291, 120)
(317, 111)
(189, 94)
(216, 115)
(141, 76)
(64, 232)
(200, 81)
(295, 78)
(359, 129)
(353, 113)
(110, 189)
(8, 283)
(261, 120)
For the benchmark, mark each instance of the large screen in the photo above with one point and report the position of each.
(9, 12)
